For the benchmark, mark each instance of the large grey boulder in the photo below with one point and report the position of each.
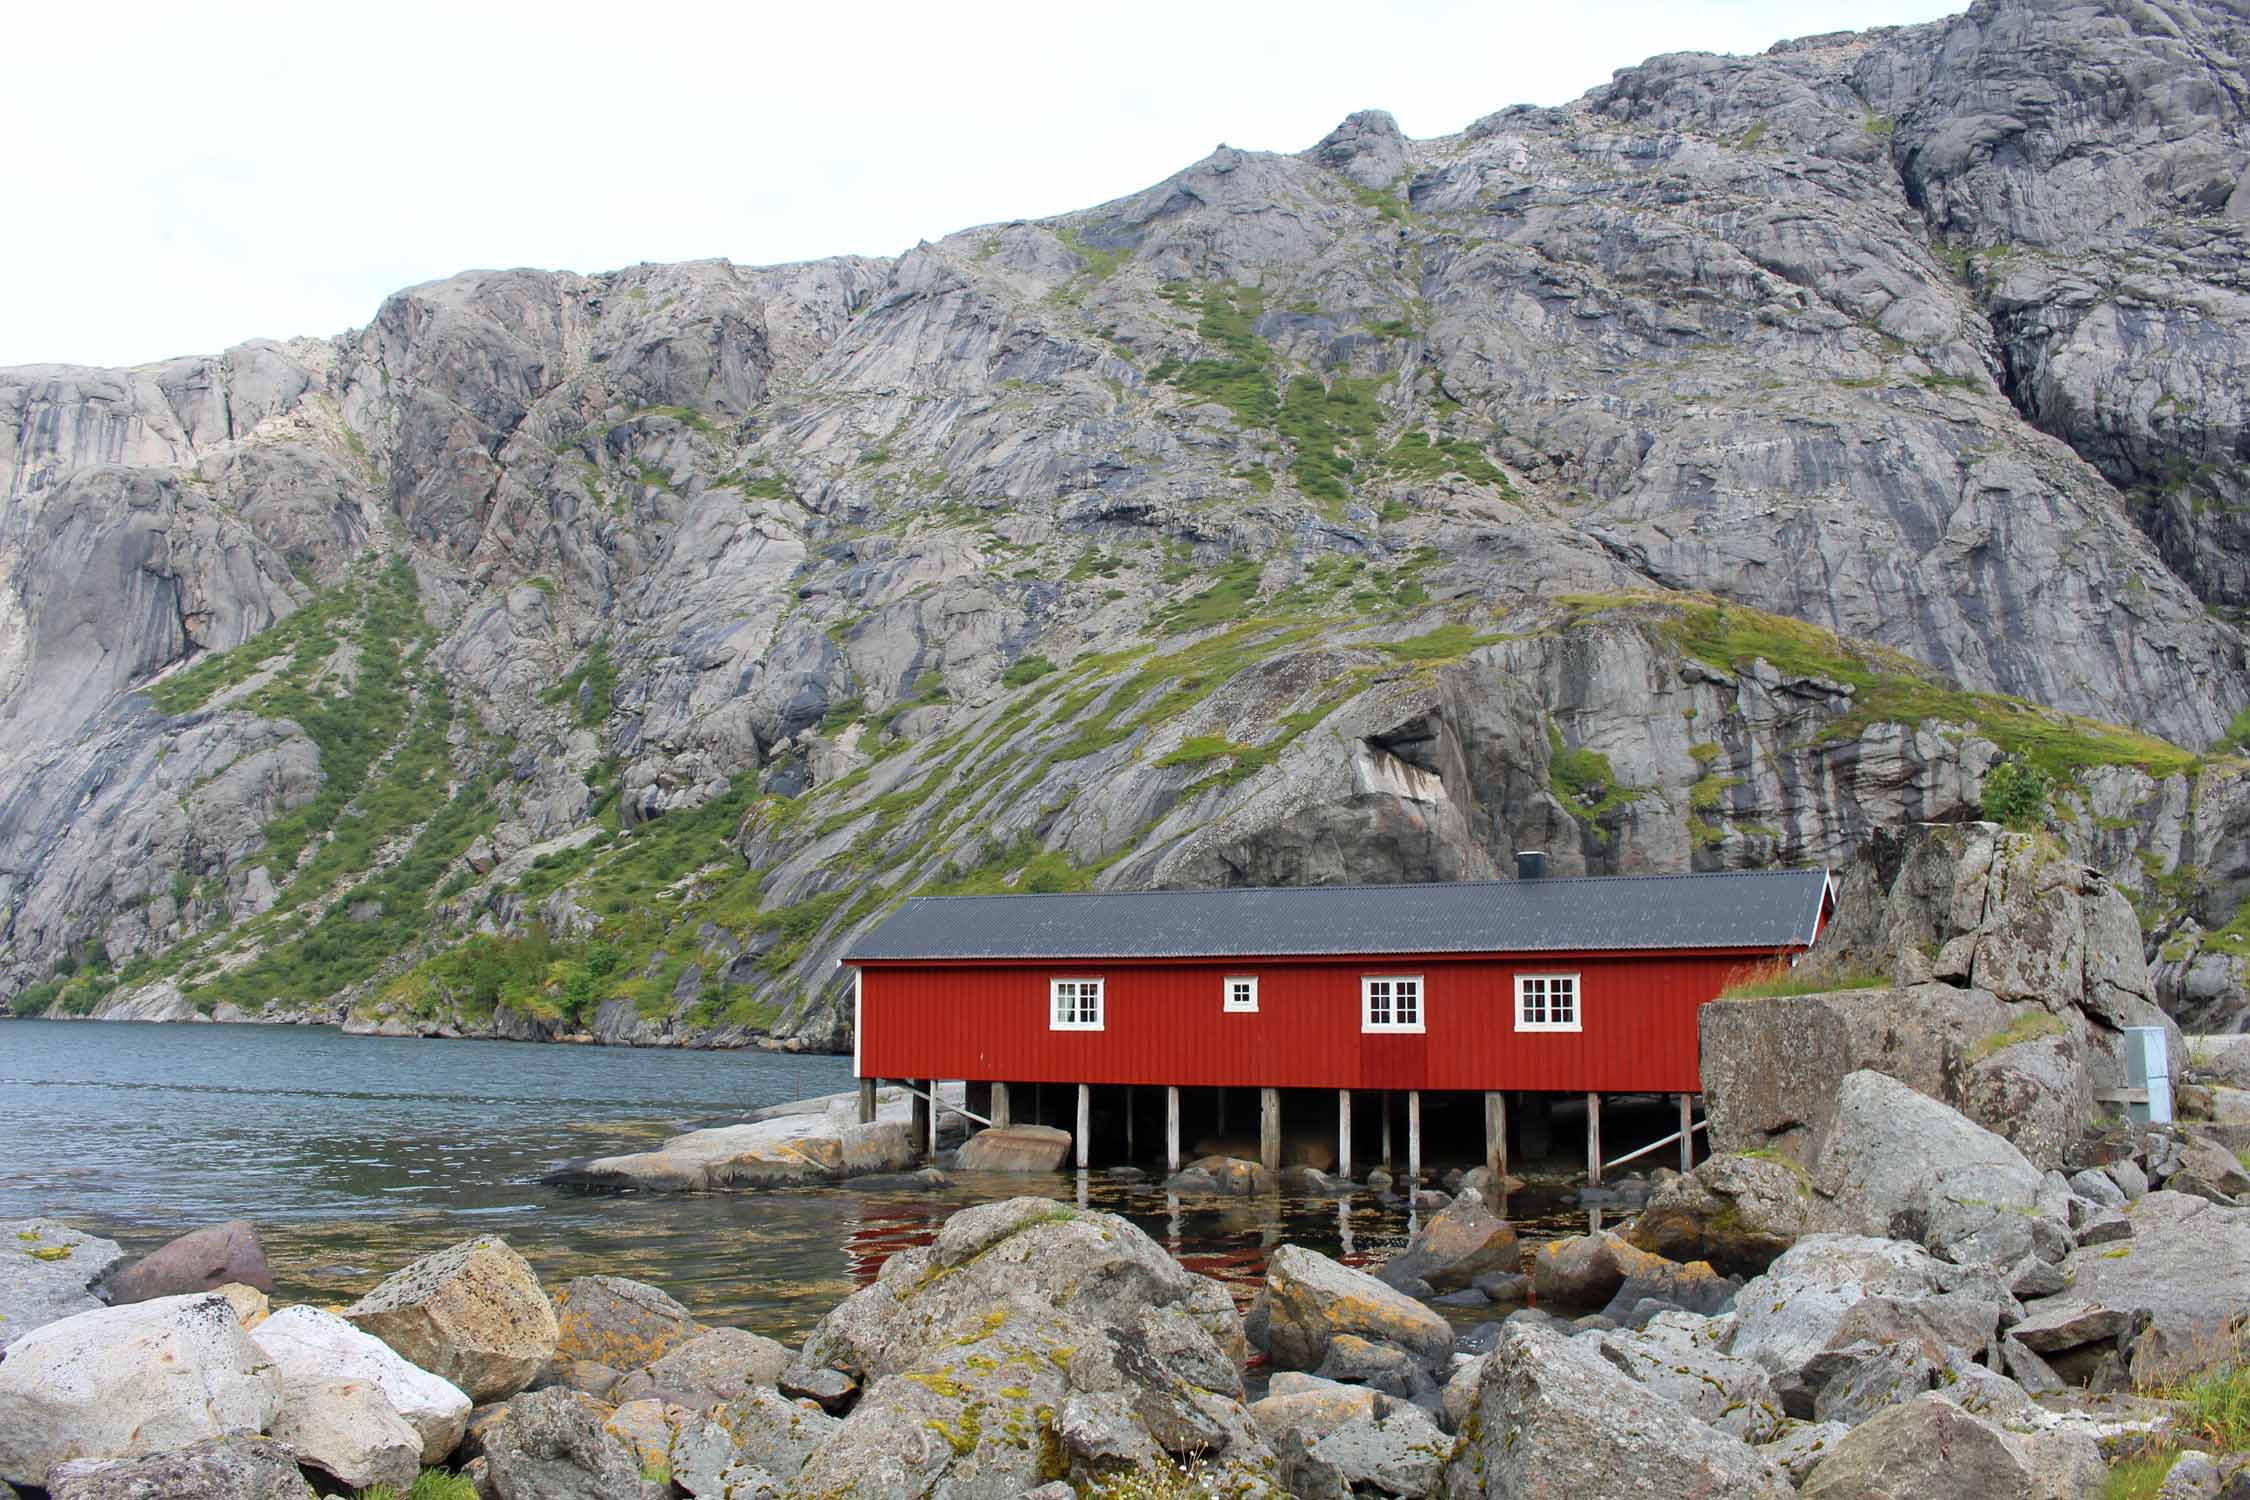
(1309, 1299)
(473, 1314)
(762, 1429)
(1681, 1360)
(202, 1260)
(1550, 1416)
(228, 1468)
(311, 1347)
(349, 1429)
(1929, 1446)
(1898, 1163)
(1829, 1291)
(124, 1382)
(553, 1445)
(1343, 1440)
(49, 1270)
(1735, 1212)
(714, 1366)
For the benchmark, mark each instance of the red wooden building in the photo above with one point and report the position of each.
(1532, 986)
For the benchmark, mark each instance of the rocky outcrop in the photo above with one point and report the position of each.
(126, 1382)
(474, 1315)
(2014, 972)
(1725, 350)
(788, 1152)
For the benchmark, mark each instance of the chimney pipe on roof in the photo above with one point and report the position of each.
(1531, 864)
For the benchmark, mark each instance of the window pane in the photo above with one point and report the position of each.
(1409, 1002)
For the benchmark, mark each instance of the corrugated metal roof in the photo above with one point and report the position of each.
(1735, 909)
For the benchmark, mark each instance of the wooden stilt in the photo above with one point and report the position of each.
(1038, 1104)
(933, 1118)
(1269, 1128)
(1496, 1139)
(867, 1100)
(1085, 1121)
(1594, 1140)
(999, 1106)
(1388, 1155)
(1344, 1134)
(920, 1129)
(1687, 1132)
(1131, 1150)
(1414, 1137)
(1172, 1128)
(1221, 1127)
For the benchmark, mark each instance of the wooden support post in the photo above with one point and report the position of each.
(1085, 1121)
(1344, 1134)
(1687, 1132)
(1496, 1140)
(1172, 1127)
(933, 1107)
(1414, 1137)
(919, 1131)
(999, 1106)
(1388, 1155)
(1594, 1140)
(1221, 1127)
(867, 1100)
(1038, 1104)
(1131, 1149)
(1269, 1129)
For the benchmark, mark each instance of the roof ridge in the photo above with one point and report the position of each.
(1384, 885)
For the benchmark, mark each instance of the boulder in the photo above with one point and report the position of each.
(762, 1430)
(761, 1154)
(2193, 1476)
(1234, 1176)
(1352, 1360)
(1928, 1446)
(2174, 1292)
(1828, 1291)
(348, 1429)
(1014, 1148)
(228, 1468)
(1801, 1448)
(554, 1445)
(473, 1314)
(1736, 1212)
(647, 1428)
(123, 1382)
(1859, 1380)
(618, 1322)
(1692, 1288)
(1093, 1268)
(1456, 1245)
(49, 1271)
(251, 1306)
(1898, 1163)
(1551, 1416)
(1342, 1441)
(202, 1261)
(309, 1346)
(1734, 1395)
(1309, 1299)
(715, 1366)
(1585, 1270)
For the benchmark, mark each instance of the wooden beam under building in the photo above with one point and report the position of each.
(1269, 1129)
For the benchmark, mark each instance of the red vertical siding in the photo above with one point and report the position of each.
(1164, 1024)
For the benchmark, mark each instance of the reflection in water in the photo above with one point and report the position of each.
(355, 1155)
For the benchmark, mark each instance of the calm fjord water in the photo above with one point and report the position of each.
(354, 1155)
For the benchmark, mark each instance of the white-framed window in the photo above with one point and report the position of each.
(1241, 991)
(1547, 1002)
(1390, 1002)
(1075, 1005)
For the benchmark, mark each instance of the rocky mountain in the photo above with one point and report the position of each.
(1751, 454)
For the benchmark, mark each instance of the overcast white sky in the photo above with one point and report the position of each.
(182, 177)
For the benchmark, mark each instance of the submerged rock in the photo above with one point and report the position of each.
(1456, 1245)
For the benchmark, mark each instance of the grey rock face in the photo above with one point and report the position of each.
(551, 1445)
(768, 547)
